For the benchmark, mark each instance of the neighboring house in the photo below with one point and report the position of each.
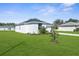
(32, 26)
(7, 28)
(70, 26)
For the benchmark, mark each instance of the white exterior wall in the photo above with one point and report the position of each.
(6, 28)
(1, 28)
(66, 28)
(17, 28)
(30, 28)
(44, 26)
(12, 28)
(47, 28)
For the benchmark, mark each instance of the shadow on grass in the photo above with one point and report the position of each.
(11, 48)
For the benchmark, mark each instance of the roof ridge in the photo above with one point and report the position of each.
(32, 21)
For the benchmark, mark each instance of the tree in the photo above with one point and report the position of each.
(72, 20)
(57, 22)
(7, 24)
(13, 24)
(54, 34)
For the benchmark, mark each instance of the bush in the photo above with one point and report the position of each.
(77, 29)
(42, 30)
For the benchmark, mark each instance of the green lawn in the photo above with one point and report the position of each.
(17, 44)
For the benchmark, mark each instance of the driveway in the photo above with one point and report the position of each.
(68, 34)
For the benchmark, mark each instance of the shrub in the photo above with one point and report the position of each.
(77, 29)
(42, 30)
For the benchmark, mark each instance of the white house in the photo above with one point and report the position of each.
(7, 28)
(70, 26)
(32, 26)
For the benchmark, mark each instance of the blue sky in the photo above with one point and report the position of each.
(48, 12)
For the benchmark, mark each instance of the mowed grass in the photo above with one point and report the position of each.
(17, 44)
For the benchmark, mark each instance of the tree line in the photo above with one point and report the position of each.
(60, 21)
(7, 24)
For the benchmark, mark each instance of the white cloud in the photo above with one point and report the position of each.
(46, 10)
(10, 12)
(68, 4)
(42, 10)
(67, 9)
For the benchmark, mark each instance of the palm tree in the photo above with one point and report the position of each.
(54, 34)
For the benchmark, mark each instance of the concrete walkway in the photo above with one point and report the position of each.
(68, 34)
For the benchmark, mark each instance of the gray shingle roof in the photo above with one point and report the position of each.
(69, 24)
(33, 21)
